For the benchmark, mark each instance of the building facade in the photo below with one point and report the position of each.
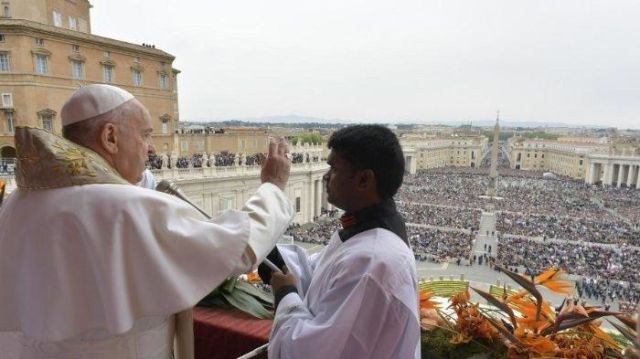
(235, 140)
(612, 162)
(434, 152)
(216, 189)
(47, 51)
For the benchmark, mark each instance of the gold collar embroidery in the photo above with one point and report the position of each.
(48, 161)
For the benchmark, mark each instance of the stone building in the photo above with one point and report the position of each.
(613, 162)
(434, 152)
(47, 51)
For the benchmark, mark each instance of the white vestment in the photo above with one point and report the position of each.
(148, 180)
(358, 300)
(98, 270)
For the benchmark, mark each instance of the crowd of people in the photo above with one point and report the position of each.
(589, 227)
(607, 290)
(440, 216)
(624, 201)
(442, 208)
(7, 167)
(221, 159)
(318, 232)
(613, 263)
(439, 245)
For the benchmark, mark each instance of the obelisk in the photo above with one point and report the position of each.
(493, 172)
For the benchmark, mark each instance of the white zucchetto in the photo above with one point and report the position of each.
(92, 100)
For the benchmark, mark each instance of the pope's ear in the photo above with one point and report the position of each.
(109, 138)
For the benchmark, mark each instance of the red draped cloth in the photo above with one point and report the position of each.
(227, 333)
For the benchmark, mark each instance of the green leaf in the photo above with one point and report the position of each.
(214, 301)
(261, 295)
(228, 285)
(248, 304)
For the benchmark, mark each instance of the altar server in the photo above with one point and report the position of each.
(357, 299)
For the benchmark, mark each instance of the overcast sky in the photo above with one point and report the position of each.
(570, 61)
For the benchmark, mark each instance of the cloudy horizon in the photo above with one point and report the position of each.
(573, 62)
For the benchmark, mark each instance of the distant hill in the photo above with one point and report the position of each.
(308, 122)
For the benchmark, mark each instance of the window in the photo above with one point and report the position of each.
(73, 23)
(10, 126)
(40, 42)
(75, 48)
(107, 73)
(83, 25)
(137, 78)
(226, 203)
(2, 38)
(7, 100)
(298, 205)
(42, 65)
(184, 145)
(107, 54)
(580, 162)
(165, 128)
(57, 19)
(6, 10)
(164, 81)
(77, 69)
(47, 122)
(4, 62)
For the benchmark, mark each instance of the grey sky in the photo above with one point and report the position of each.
(571, 61)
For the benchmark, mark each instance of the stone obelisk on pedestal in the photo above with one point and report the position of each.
(493, 172)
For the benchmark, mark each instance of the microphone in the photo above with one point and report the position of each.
(169, 187)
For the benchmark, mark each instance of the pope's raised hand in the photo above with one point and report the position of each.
(277, 165)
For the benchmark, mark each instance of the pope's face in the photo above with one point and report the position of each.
(136, 144)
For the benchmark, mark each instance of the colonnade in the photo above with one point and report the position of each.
(614, 173)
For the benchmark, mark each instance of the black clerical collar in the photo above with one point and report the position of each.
(382, 215)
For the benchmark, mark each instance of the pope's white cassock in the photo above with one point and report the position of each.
(357, 301)
(98, 270)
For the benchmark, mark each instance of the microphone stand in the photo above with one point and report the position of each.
(170, 188)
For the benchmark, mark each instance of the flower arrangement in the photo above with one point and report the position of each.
(522, 325)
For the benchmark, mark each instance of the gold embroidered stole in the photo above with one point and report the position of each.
(46, 160)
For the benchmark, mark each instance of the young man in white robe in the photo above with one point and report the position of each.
(93, 266)
(357, 299)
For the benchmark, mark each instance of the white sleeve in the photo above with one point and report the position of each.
(356, 319)
(270, 213)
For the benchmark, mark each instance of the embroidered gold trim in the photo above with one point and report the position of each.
(46, 161)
